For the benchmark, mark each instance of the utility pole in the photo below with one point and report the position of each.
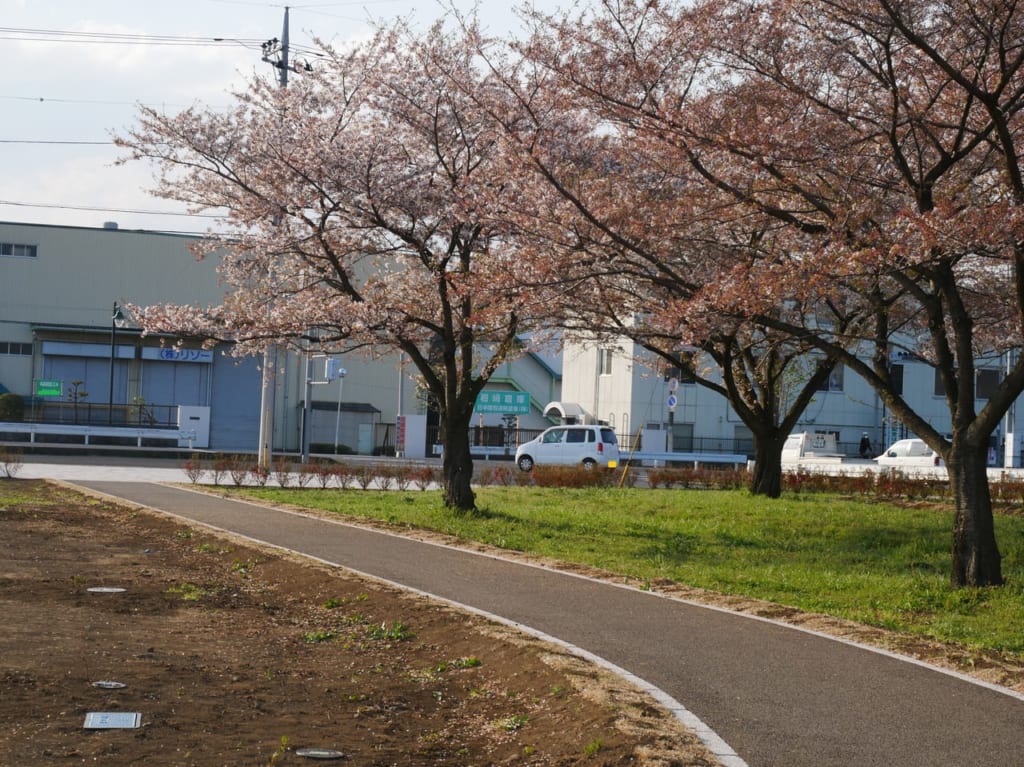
(274, 52)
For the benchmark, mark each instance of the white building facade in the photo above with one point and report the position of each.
(627, 387)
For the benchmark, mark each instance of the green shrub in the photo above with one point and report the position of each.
(12, 407)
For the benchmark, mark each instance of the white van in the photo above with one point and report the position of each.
(587, 445)
(909, 452)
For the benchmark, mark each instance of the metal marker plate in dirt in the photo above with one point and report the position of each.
(319, 753)
(112, 720)
(105, 589)
(108, 684)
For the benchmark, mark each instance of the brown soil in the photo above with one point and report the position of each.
(237, 655)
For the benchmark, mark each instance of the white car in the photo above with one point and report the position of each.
(590, 446)
(909, 453)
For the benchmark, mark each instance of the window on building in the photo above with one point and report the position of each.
(896, 374)
(835, 380)
(680, 370)
(604, 362)
(17, 250)
(15, 349)
(682, 437)
(986, 382)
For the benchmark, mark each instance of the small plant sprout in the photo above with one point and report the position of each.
(282, 749)
(593, 748)
(513, 723)
(397, 632)
(320, 635)
(244, 568)
(468, 662)
(333, 603)
(189, 592)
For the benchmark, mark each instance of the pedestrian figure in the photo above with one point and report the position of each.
(865, 446)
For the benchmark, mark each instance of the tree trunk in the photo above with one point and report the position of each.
(457, 465)
(767, 477)
(976, 558)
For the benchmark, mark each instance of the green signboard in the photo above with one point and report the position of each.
(504, 402)
(49, 388)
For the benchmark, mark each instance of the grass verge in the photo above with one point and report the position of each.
(876, 564)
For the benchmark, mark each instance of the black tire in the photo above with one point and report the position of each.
(525, 463)
(589, 464)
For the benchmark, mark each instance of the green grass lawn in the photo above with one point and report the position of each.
(872, 563)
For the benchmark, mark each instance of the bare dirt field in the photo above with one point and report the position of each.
(237, 655)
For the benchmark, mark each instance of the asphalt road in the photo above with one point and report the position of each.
(777, 695)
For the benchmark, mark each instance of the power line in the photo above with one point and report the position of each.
(55, 141)
(117, 38)
(29, 35)
(97, 209)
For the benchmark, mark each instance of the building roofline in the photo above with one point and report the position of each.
(118, 230)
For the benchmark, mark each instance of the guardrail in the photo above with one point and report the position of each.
(652, 459)
(137, 434)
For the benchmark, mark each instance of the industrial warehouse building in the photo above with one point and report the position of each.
(86, 373)
(69, 348)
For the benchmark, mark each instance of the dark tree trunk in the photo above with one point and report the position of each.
(976, 558)
(457, 465)
(767, 476)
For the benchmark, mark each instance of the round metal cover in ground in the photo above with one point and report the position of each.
(319, 753)
(106, 684)
(105, 589)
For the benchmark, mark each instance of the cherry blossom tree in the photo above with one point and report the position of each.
(883, 138)
(630, 210)
(365, 208)
(913, 192)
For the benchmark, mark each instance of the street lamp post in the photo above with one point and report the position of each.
(116, 321)
(339, 373)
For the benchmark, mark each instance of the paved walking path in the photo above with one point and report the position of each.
(777, 695)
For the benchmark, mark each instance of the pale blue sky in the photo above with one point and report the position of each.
(71, 80)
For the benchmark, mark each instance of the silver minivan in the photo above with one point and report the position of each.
(590, 446)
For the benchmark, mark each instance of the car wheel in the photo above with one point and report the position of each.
(589, 464)
(525, 463)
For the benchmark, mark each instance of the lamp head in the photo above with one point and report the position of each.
(119, 318)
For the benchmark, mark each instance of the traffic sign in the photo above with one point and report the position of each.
(672, 401)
